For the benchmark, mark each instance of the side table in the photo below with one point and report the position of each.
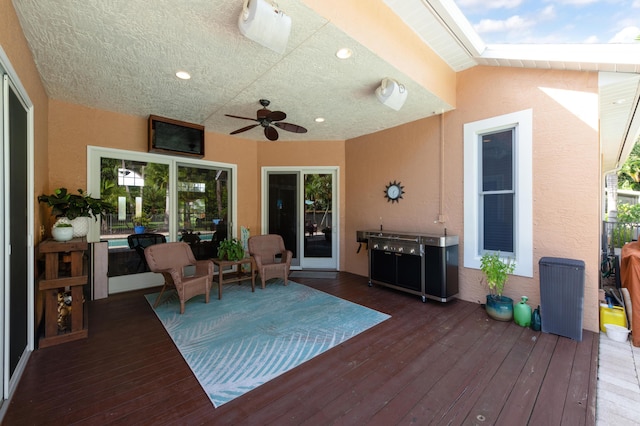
(52, 283)
(232, 277)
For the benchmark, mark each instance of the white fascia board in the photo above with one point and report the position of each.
(584, 53)
(458, 25)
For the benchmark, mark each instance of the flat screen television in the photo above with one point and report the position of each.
(175, 137)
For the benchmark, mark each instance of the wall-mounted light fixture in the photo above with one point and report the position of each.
(262, 22)
(391, 93)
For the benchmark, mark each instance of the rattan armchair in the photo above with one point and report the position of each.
(272, 259)
(170, 260)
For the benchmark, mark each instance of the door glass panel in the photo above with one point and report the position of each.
(317, 207)
(203, 213)
(283, 209)
(135, 189)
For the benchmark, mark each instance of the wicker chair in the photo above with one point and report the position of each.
(264, 249)
(170, 260)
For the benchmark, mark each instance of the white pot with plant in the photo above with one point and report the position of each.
(496, 271)
(62, 231)
(78, 208)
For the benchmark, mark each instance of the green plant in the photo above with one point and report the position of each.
(496, 271)
(142, 220)
(63, 225)
(71, 206)
(231, 249)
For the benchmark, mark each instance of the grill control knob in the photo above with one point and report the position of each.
(400, 249)
(413, 251)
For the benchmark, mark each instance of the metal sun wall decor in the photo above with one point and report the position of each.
(393, 192)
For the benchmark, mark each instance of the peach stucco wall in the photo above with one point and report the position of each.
(566, 194)
(15, 47)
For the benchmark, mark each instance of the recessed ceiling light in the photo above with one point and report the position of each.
(344, 53)
(320, 120)
(619, 101)
(183, 75)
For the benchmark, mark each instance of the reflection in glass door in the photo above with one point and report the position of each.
(283, 210)
(203, 219)
(138, 193)
(300, 207)
(318, 211)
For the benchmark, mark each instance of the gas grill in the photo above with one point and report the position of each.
(421, 264)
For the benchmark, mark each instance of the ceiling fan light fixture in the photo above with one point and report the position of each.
(262, 22)
(391, 93)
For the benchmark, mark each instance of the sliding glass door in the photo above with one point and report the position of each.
(157, 198)
(299, 205)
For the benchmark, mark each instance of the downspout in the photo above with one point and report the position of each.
(441, 216)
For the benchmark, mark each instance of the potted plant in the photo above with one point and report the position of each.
(496, 271)
(62, 231)
(231, 249)
(74, 206)
(141, 222)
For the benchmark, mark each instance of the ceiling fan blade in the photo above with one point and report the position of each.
(271, 133)
(263, 113)
(291, 127)
(243, 118)
(244, 129)
(276, 116)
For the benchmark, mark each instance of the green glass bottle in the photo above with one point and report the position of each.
(522, 313)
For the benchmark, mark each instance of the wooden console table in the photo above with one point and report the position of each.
(52, 283)
(232, 277)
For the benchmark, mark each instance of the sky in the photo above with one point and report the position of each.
(549, 21)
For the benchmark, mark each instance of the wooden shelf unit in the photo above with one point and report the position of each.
(52, 283)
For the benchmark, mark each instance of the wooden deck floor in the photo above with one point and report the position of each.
(430, 363)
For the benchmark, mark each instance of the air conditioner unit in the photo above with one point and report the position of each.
(391, 93)
(263, 23)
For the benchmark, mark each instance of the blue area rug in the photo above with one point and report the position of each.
(236, 344)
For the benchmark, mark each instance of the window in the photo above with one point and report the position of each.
(498, 190)
(183, 199)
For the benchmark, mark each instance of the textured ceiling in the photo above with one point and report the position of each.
(122, 56)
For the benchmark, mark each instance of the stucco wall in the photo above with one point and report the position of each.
(566, 193)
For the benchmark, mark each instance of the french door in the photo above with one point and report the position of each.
(299, 204)
(171, 197)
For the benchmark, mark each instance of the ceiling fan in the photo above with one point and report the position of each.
(268, 119)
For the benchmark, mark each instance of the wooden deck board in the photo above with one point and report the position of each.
(430, 362)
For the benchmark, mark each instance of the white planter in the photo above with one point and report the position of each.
(80, 226)
(62, 233)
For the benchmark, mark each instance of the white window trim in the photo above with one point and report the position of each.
(522, 122)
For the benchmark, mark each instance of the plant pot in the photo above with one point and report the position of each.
(62, 233)
(80, 226)
(139, 229)
(499, 308)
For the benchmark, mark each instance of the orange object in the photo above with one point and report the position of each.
(630, 278)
